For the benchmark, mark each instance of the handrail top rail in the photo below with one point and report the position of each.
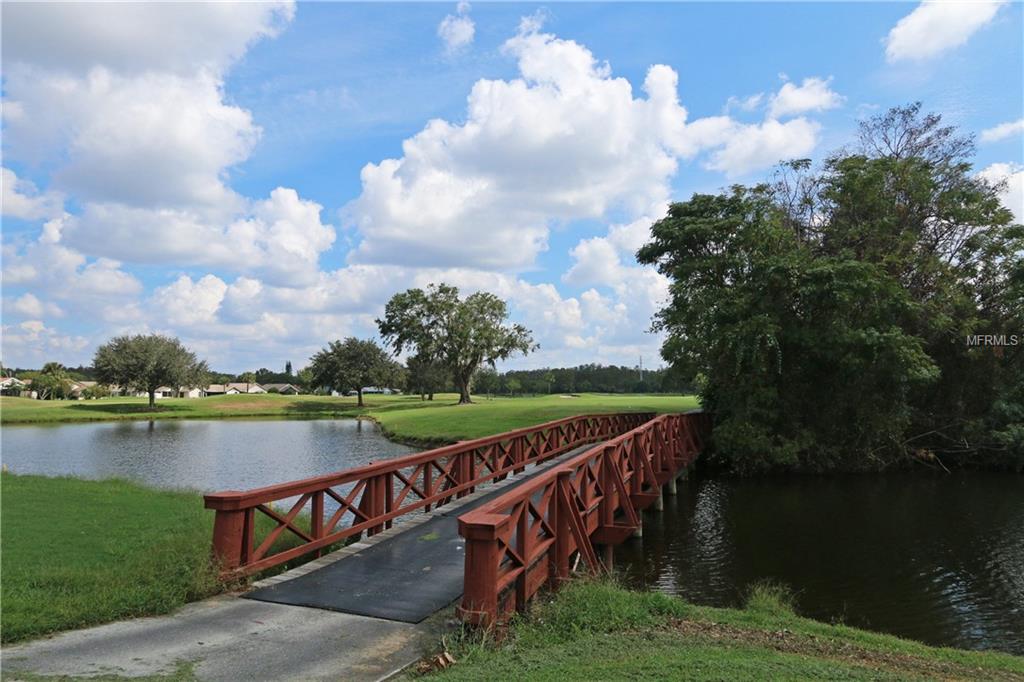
(242, 499)
(486, 514)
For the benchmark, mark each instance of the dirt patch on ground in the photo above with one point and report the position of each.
(785, 641)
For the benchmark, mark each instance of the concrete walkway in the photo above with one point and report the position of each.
(231, 638)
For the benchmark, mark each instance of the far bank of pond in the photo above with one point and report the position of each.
(940, 559)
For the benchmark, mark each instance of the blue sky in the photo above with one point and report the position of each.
(259, 179)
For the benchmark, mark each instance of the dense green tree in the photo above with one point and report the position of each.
(425, 376)
(459, 334)
(146, 362)
(288, 367)
(352, 365)
(828, 312)
(487, 380)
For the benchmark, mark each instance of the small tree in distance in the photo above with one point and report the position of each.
(146, 362)
(352, 365)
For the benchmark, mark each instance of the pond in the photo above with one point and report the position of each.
(207, 455)
(939, 559)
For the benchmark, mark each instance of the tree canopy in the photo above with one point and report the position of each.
(827, 313)
(147, 362)
(352, 365)
(459, 334)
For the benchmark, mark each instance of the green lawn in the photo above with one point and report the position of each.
(407, 417)
(444, 421)
(78, 553)
(598, 631)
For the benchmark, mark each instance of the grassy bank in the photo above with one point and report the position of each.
(78, 553)
(598, 631)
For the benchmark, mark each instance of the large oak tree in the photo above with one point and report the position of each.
(147, 362)
(459, 334)
(352, 365)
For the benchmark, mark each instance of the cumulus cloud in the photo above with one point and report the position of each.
(1003, 131)
(28, 305)
(137, 37)
(814, 94)
(565, 141)
(937, 26)
(1013, 194)
(457, 30)
(280, 237)
(32, 342)
(21, 199)
(756, 146)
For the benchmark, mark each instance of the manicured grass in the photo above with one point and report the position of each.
(405, 417)
(598, 631)
(78, 553)
(442, 420)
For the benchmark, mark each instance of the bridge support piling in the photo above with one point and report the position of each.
(670, 487)
(638, 532)
(683, 474)
(659, 501)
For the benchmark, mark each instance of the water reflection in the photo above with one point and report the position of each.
(938, 559)
(201, 455)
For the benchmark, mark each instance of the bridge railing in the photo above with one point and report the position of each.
(533, 534)
(327, 509)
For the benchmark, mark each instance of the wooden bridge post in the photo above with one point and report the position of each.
(232, 531)
(483, 557)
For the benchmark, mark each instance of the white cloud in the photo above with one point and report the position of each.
(148, 140)
(188, 303)
(564, 141)
(1013, 195)
(31, 343)
(21, 199)
(51, 268)
(456, 30)
(757, 146)
(137, 37)
(1003, 131)
(28, 305)
(814, 94)
(749, 103)
(937, 26)
(596, 262)
(280, 238)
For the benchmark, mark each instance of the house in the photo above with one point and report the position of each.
(283, 389)
(12, 386)
(243, 387)
(191, 392)
(215, 389)
(77, 388)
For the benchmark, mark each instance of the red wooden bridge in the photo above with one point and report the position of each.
(578, 500)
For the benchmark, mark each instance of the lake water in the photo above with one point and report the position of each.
(938, 559)
(934, 558)
(202, 455)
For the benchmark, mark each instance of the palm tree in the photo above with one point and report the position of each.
(52, 379)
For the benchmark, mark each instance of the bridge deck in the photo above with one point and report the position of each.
(406, 575)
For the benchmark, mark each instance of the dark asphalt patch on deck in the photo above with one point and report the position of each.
(407, 577)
